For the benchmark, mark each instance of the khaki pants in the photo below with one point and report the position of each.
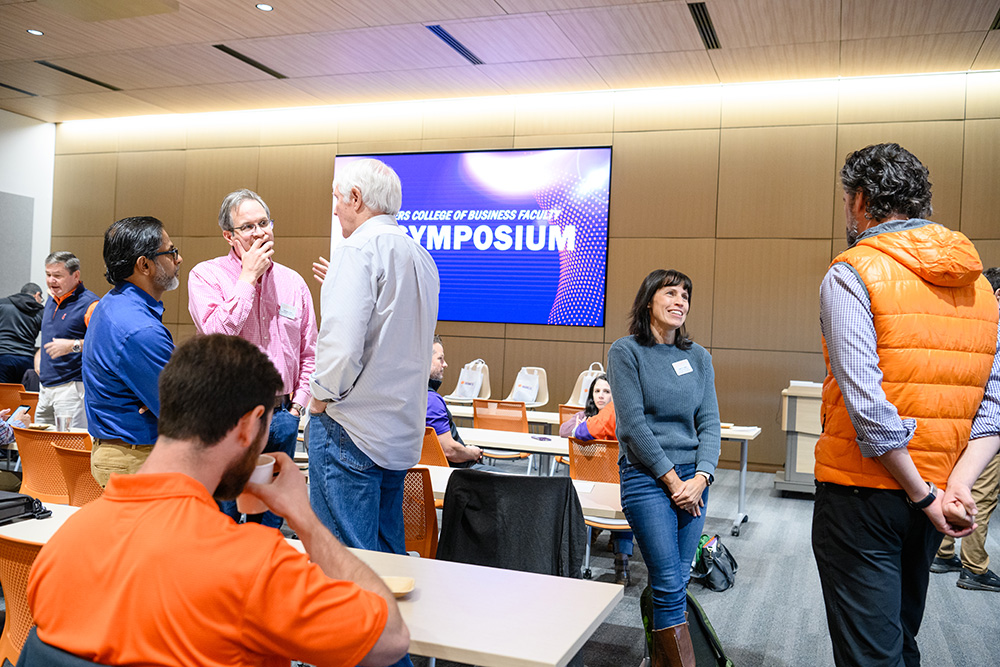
(984, 492)
(115, 457)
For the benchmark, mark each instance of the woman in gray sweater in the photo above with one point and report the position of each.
(669, 438)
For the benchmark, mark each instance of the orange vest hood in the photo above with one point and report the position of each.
(935, 322)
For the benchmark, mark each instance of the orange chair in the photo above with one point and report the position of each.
(595, 461)
(80, 483)
(10, 395)
(43, 478)
(30, 398)
(419, 514)
(16, 558)
(501, 416)
(433, 455)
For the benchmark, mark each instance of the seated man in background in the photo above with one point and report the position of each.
(439, 417)
(153, 573)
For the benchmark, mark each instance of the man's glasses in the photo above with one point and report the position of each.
(173, 252)
(248, 229)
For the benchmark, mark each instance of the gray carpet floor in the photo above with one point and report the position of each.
(774, 614)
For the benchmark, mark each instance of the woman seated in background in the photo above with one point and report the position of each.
(597, 422)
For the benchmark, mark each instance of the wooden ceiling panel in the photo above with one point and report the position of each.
(41, 80)
(525, 6)
(226, 97)
(545, 76)
(48, 109)
(110, 104)
(989, 55)
(745, 23)
(392, 12)
(65, 35)
(641, 28)
(514, 39)
(649, 70)
(163, 67)
(953, 52)
(352, 51)
(776, 63)
(288, 18)
(395, 86)
(894, 18)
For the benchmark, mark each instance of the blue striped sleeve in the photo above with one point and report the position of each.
(987, 420)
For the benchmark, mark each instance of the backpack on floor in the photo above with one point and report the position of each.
(707, 649)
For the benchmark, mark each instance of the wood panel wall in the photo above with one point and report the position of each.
(736, 186)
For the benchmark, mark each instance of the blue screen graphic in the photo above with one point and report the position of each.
(518, 236)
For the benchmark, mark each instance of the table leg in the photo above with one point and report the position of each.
(544, 465)
(741, 515)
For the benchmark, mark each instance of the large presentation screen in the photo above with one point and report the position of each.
(519, 236)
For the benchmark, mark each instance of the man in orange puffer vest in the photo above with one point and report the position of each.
(910, 341)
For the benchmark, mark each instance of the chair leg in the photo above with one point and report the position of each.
(586, 555)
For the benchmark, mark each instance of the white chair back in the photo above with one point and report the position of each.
(579, 395)
(476, 367)
(542, 397)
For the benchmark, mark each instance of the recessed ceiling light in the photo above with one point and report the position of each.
(32, 31)
(264, 7)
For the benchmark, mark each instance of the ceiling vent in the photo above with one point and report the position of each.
(86, 78)
(249, 61)
(699, 12)
(17, 90)
(450, 40)
(996, 21)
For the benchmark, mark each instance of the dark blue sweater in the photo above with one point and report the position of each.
(64, 320)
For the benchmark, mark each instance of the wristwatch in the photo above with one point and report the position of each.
(298, 408)
(77, 345)
(926, 500)
(708, 477)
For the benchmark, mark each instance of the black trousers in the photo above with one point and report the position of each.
(873, 552)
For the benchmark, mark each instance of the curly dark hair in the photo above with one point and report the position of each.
(638, 318)
(892, 180)
(993, 275)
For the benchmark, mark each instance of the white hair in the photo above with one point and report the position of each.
(378, 184)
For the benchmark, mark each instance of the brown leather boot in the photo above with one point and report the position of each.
(672, 647)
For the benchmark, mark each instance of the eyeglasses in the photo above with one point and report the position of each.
(174, 252)
(248, 229)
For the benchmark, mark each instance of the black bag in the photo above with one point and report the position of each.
(16, 507)
(714, 567)
(707, 648)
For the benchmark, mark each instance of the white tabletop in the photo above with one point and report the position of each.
(492, 617)
(518, 442)
(39, 531)
(598, 499)
(534, 416)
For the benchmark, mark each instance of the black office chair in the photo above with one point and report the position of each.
(516, 522)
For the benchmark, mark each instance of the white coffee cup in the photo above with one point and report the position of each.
(247, 503)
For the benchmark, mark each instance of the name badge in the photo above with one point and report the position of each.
(682, 367)
(287, 311)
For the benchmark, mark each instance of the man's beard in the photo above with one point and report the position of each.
(163, 282)
(238, 473)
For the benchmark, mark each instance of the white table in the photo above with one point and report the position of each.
(596, 498)
(510, 629)
(539, 417)
(551, 445)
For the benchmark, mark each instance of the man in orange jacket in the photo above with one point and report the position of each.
(910, 339)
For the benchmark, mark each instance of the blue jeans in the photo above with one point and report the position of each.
(360, 502)
(281, 438)
(621, 542)
(667, 536)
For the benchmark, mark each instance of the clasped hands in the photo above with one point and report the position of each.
(686, 494)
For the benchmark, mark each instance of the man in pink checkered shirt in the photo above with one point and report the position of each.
(246, 294)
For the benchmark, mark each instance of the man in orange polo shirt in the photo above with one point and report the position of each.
(153, 573)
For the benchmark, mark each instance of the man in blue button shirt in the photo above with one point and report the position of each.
(130, 345)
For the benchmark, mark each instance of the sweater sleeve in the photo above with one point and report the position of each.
(707, 422)
(633, 431)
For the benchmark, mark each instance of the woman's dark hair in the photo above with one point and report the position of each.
(892, 180)
(638, 318)
(591, 408)
(126, 241)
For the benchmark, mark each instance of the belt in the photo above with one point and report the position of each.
(120, 443)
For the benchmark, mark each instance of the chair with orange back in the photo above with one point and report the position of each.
(433, 455)
(501, 416)
(80, 483)
(43, 478)
(566, 411)
(16, 558)
(30, 398)
(595, 461)
(419, 513)
(10, 395)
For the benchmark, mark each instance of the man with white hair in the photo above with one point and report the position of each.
(379, 305)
